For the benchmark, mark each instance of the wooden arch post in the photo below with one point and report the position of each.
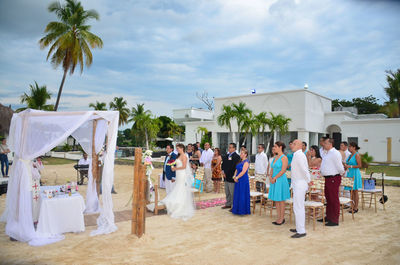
(139, 196)
(95, 159)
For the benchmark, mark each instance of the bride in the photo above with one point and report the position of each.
(179, 201)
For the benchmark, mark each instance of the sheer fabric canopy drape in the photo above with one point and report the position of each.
(32, 134)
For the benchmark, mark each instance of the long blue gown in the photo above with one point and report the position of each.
(279, 191)
(241, 195)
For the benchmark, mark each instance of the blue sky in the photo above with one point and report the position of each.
(161, 52)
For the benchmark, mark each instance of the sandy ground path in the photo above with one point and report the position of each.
(215, 236)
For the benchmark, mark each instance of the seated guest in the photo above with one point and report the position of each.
(83, 162)
(216, 169)
(353, 165)
(4, 150)
(241, 196)
(279, 188)
(314, 162)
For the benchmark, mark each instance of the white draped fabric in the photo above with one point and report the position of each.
(32, 134)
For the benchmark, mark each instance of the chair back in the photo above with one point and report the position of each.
(198, 179)
(347, 182)
(252, 183)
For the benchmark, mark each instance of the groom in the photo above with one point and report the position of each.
(168, 174)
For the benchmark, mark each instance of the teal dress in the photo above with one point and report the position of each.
(279, 191)
(354, 173)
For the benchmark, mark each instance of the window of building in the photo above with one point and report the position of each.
(223, 142)
(352, 139)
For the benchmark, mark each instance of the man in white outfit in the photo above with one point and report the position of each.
(300, 181)
(205, 160)
(260, 168)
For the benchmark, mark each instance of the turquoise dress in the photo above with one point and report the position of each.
(354, 173)
(279, 191)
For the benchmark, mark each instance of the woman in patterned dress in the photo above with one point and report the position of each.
(314, 162)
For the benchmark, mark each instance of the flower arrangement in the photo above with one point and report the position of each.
(147, 160)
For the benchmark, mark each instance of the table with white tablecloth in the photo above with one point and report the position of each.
(61, 214)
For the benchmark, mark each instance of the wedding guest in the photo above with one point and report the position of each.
(344, 151)
(189, 150)
(304, 147)
(322, 150)
(314, 162)
(4, 150)
(260, 168)
(168, 174)
(84, 161)
(196, 155)
(289, 155)
(229, 163)
(205, 160)
(241, 196)
(332, 170)
(353, 165)
(279, 188)
(300, 182)
(198, 147)
(242, 148)
(216, 169)
(269, 168)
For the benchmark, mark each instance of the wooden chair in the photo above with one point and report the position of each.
(198, 184)
(374, 192)
(315, 202)
(349, 183)
(254, 194)
(158, 205)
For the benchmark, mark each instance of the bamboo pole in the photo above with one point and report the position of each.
(95, 158)
(135, 194)
(142, 202)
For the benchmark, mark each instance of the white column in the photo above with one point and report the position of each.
(214, 139)
(304, 137)
(253, 144)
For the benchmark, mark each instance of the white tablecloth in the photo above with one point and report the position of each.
(61, 214)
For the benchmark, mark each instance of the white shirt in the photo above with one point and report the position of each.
(346, 154)
(322, 152)
(261, 164)
(299, 168)
(332, 163)
(206, 157)
(82, 161)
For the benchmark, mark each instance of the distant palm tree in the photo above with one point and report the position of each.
(277, 123)
(37, 98)
(393, 87)
(70, 38)
(120, 105)
(174, 129)
(144, 123)
(225, 119)
(98, 105)
(241, 114)
(202, 131)
(249, 124)
(261, 120)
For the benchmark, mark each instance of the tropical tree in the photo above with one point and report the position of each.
(260, 122)
(277, 123)
(70, 38)
(225, 119)
(202, 131)
(120, 105)
(393, 87)
(98, 105)
(174, 130)
(37, 98)
(144, 123)
(249, 124)
(241, 114)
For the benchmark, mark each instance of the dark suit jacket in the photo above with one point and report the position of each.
(167, 172)
(229, 166)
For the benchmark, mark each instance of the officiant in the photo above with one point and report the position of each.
(229, 163)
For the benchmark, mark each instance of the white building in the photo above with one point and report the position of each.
(311, 118)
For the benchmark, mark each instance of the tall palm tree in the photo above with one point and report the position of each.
(144, 123)
(241, 113)
(70, 38)
(249, 124)
(202, 131)
(277, 123)
(393, 87)
(174, 129)
(120, 105)
(261, 121)
(225, 119)
(98, 105)
(37, 98)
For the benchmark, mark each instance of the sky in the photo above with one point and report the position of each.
(162, 52)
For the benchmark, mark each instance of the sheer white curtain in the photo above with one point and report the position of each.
(33, 133)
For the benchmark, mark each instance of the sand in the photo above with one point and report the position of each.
(215, 236)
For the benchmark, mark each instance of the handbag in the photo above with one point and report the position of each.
(369, 184)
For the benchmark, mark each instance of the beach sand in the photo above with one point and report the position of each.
(215, 236)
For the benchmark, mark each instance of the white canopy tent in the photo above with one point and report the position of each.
(32, 134)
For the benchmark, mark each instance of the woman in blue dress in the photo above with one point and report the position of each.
(353, 165)
(279, 190)
(241, 195)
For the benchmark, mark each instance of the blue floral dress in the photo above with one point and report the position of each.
(354, 173)
(241, 194)
(279, 191)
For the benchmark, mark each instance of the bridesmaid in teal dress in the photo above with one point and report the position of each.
(279, 190)
(353, 165)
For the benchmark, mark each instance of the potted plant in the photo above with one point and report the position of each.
(366, 160)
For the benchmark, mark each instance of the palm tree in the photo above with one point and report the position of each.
(261, 120)
(174, 129)
(70, 38)
(37, 98)
(225, 119)
(120, 105)
(249, 124)
(277, 123)
(202, 131)
(241, 113)
(98, 105)
(393, 88)
(143, 122)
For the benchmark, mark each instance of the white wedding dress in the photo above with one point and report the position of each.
(180, 202)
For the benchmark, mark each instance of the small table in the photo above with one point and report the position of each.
(61, 214)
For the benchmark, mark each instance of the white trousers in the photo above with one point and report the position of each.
(299, 194)
(169, 185)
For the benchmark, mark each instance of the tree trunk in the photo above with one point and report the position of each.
(147, 140)
(60, 90)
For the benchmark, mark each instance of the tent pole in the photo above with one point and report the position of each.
(95, 159)
(138, 162)
(142, 202)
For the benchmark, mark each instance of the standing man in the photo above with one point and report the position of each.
(300, 181)
(205, 160)
(168, 174)
(322, 151)
(4, 150)
(332, 169)
(229, 163)
(260, 168)
(344, 150)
